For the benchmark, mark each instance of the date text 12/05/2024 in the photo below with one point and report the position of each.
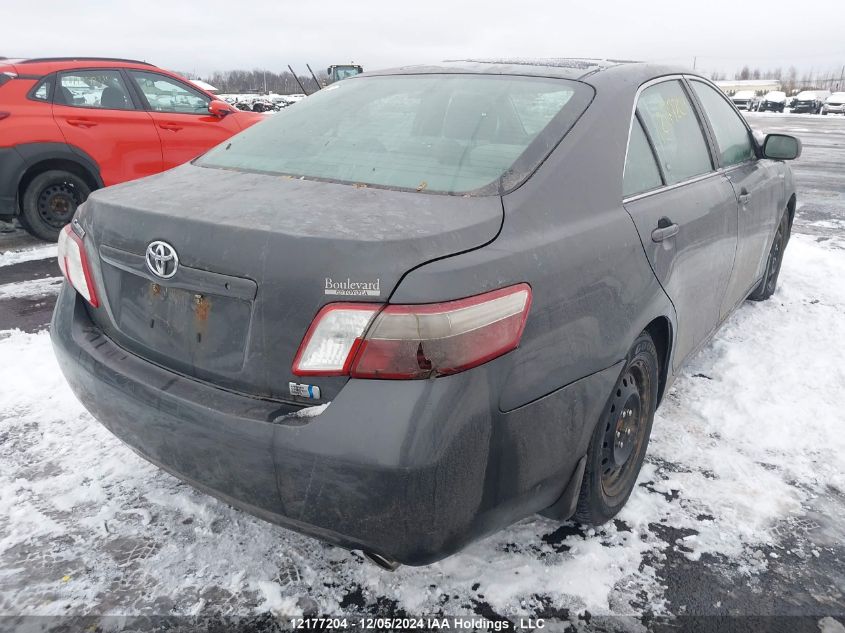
(416, 624)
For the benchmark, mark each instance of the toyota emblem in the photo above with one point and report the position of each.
(162, 259)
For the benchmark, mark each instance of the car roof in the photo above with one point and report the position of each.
(46, 65)
(590, 70)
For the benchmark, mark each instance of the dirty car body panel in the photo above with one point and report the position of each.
(193, 372)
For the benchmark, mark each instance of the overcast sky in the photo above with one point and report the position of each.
(227, 34)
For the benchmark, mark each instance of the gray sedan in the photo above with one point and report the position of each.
(425, 303)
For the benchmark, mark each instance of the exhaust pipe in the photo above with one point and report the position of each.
(385, 563)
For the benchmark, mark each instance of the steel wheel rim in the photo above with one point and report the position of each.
(625, 429)
(57, 203)
(774, 261)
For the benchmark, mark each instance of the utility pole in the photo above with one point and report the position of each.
(265, 82)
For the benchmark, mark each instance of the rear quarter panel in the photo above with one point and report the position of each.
(30, 121)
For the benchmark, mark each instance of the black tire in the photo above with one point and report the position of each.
(618, 446)
(767, 286)
(50, 201)
(24, 225)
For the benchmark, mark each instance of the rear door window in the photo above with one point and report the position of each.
(103, 89)
(672, 125)
(732, 137)
(641, 172)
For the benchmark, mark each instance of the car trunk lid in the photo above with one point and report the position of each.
(258, 256)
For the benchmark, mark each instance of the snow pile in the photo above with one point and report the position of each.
(745, 440)
(310, 412)
(757, 426)
(31, 289)
(9, 258)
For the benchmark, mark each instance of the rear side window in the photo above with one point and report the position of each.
(675, 131)
(641, 172)
(43, 90)
(102, 89)
(732, 136)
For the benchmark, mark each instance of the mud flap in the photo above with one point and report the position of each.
(565, 506)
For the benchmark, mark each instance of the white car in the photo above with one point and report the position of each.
(835, 104)
(744, 99)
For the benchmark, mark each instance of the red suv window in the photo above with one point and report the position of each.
(93, 89)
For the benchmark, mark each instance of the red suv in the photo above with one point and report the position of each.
(72, 125)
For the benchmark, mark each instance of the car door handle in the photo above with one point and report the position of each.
(744, 196)
(664, 230)
(170, 126)
(81, 122)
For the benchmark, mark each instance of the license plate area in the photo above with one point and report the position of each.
(198, 323)
(203, 330)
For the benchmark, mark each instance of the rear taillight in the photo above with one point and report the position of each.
(333, 339)
(413, 341)
(74, 264)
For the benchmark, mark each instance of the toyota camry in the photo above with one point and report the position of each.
(426, 302)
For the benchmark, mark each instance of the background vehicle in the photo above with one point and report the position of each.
(534, 253)
(271, 101)
(744, 100)
(336, 72)
(809, 101)
(69, 126)
(774, 101)
(834, 104)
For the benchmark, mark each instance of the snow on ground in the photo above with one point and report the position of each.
(746, 440)
(31, 288)
(27, 254)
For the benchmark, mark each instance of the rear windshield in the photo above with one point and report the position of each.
(434, 133)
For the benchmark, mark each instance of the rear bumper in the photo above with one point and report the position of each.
(412, 470)
(836, 109)
(11, 167)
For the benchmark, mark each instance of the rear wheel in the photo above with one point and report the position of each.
(618, 446)
(50, 201)
(767, 286)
